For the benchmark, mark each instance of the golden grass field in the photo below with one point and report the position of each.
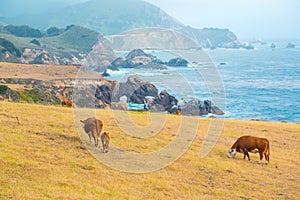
(41, 72)
(44, 158)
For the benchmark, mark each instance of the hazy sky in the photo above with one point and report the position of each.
(248, 19)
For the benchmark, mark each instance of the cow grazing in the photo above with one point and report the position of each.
(178, 112)
(93, 127)
(251, 144)
(67, 103)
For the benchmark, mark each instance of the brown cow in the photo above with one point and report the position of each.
(67, 103)
(251, 144)
(178, 112)
(93, 128)
(105, 139)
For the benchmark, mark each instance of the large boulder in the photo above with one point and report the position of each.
(137, 58)
(196, 107)
(135, 89)
(178, 62)
(166, 100)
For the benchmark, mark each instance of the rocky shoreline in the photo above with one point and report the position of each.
(104, 94)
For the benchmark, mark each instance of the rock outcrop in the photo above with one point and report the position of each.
(137, 58)
(177, 62)
(196, 107)
(135, 89)
(105, 93)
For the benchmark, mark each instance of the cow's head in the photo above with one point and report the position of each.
(231, 153)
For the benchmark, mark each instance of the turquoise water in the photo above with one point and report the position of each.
(261, 84)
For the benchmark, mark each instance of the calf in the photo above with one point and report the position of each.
(93, 128)
(251, 144)
(105, 139)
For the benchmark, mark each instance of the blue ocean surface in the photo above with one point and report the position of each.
(262, 84)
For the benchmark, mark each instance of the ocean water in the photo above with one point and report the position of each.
(262, 84)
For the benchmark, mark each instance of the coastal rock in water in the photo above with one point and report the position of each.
(178, 62)
(137, 58)
(105, 74)
(191, 107)
(166, 100)
(117, 63)
(196, 107)
(273, 46)
(138, 91)
(291, 45)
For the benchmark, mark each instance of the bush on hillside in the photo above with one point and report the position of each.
(23, 31)
(36, 42)
(3, 89)
(10, 47)
(54, 31)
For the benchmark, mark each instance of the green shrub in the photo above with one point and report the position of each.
(54, 31)
(11, 81)
(36, 42)
(23, 31)
(3, 89)
(10, 47)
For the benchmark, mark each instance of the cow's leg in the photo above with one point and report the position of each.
(266, 158)
(90, 135)
(246, 154)
(95, 139)
(260, 157)
(103, 145)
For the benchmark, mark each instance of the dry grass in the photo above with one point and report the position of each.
(41, 72)
(44, 158)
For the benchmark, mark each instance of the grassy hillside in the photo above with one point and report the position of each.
(73, 38)
(42, 72)
(44, 158)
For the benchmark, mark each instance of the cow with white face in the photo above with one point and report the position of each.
(251, 144)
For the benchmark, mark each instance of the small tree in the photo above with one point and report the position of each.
(36, 42)
(3, 89)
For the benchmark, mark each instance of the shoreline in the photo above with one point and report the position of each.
(144, 111)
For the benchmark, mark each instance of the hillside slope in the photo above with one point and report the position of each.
(110, 17)
(43, 158)
(69, 46)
